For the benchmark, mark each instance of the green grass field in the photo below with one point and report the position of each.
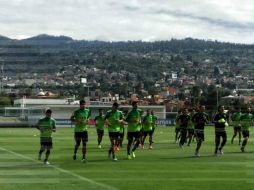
(165, 167)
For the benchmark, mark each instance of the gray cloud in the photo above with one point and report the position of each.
(114, 20)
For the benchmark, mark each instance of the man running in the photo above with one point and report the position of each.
(133, 119)
(113, 118)
(154, 123)
(81, 117)
(46, 125)
(246, 121)
(237, 125)
(220, 121)
(99, 124)
(148, 128)
(199, 119)
(183, 121)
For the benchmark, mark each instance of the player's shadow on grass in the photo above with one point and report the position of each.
(187, 157)
(239, 152)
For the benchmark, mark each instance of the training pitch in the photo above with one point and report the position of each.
(163, 168)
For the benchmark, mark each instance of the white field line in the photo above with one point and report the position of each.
(104, 186)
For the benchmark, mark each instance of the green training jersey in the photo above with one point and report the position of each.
(155, 118)
(113, 118)
(147, 123)
(121, 128)
(99, 122)
(177, 126)
(46, 126)
(134, 120)
(81, 118)
(246, 121)
(236, 119)
(190, 125)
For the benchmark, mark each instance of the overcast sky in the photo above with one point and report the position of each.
(121, 20)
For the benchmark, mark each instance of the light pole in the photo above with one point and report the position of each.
(217, 94)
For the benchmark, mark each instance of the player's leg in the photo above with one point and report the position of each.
(77, 144)
(150, 139)
(245, 140)
(143, 139)
(224, 141)
(217, 142)
(42, 149)
(130, 141)
(234, 135)
(137, 139)
(240, 135)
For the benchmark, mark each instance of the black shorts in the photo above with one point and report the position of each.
(246, 133)
(190, 131)
(222, 134)
(200, 135)
(81, 136)
(46, 142)
(113, 135)
(100, 132)
(121, 135)
(132, 135)
(150, 133)
(237, 129)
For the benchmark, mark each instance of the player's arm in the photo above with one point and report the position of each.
(216, 118)
(54, 126)
(37, 126)
(73, 118)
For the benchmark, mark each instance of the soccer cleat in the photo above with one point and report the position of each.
(242, 149)
(150, 147)
(221, 152)
(46, 162)
(83, 160)
(129, 157)
(39, 157)
(133, 154)
(117, 148)
(142, 147)
(115, 158)
(99, 146)
(109, 155)
(197, 154)
(74, 157)
(216, 153)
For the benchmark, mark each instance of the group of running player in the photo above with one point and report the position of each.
(191, 125)
(138, 128)
(188, 126)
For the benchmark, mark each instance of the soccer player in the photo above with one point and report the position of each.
(246, 121)
(81, 117)
(237, 125)
(99, 124)
(148, 128)
(114, 119)
(220, 121)
(121, 134)
(133, 119)
(199, 119)
(183, 121)
(177, 128)
(190, 129)
(154, 124)
(46, 125)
